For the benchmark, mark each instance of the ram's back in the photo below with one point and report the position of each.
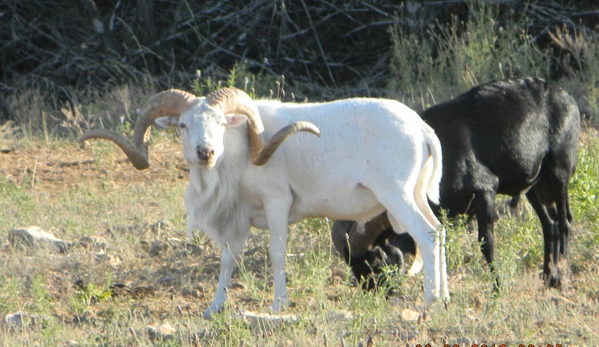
(363, 143)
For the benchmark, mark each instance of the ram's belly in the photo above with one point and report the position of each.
(358, 203)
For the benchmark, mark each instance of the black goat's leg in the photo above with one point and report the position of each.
(562, 218)
(547, 216)
(484, 203)
(565, 227)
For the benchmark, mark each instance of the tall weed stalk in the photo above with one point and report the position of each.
(446, 60)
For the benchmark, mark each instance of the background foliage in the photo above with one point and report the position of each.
(76, 51)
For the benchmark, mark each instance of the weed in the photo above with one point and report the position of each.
(256, 85)
(52, 183)
(43, 283)
(446, 60)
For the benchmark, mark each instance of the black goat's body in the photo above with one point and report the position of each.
(509, 137)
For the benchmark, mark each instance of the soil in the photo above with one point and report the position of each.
(57, 166)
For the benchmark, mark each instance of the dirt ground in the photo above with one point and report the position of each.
(53, 169)
(157, 276)
(64, 166)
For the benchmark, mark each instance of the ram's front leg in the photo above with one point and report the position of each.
(227, 265)
(192, 210)
(278, 221)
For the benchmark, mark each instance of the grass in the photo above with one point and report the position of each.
(130, 268)
(139, 273)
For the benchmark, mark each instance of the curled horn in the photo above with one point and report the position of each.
(172, 102)
(232, 100)
(352, 241)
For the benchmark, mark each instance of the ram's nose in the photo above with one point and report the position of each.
(204, 153)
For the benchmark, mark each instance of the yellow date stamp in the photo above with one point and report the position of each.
(497, 345)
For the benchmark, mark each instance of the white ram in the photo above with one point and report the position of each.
(373, 155)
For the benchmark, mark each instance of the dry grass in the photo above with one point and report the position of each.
(130, 267)
(138, 271)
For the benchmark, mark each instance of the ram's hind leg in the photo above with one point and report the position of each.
(405, 214)
(420, 196)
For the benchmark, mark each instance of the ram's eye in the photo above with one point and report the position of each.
(182, 126)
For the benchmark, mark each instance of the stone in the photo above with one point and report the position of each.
(35, 236)
(265, 322)
(162, 332)
(410, 315)
(18, 320)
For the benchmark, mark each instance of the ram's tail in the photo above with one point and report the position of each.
(434, 148)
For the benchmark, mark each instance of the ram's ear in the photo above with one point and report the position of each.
(167, 122)
(234, 120)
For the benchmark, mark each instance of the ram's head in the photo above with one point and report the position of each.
(203, 122)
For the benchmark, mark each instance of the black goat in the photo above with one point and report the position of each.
(504, 137)
(388, 248)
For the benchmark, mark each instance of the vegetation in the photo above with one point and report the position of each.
(97, 52)
(130, 272)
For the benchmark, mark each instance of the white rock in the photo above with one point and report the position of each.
(265, 321)
(163, 331)
(340, 315)
(36, 236)
(16, 319)
(410, 315)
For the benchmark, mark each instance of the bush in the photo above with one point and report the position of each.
(445, 59)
